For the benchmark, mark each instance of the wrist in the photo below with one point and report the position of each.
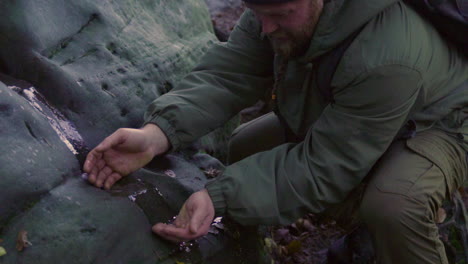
(215, 192)
(157, 140)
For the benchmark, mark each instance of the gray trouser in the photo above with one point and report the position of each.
(404, 191)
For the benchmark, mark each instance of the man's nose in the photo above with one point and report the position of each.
(268, 25)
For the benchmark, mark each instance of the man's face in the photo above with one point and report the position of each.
(290, 25)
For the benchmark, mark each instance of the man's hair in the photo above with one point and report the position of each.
(267, 1)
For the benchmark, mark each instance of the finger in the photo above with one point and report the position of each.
(182, 219)
(113, 178)
(103, 174)
(180, 223)
(159, 228)
(91, 160)
(93, 175)
(173, 233)
(90, 165)
(100, 164)
(198, 220)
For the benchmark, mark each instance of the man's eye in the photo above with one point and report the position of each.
(278, 16)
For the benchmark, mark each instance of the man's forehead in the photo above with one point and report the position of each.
(264, 2)
(270, 9)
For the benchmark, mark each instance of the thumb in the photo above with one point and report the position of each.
(157, 228)
(198, 219)
(201, 212)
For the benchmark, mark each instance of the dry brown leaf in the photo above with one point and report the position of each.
(294, 247)
(462, 192)
(308, 226)
(22, 240)
(212, 173)
(1, 240)
(282, 251)
(441, 215)
(270, 245)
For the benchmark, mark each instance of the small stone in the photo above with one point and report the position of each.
(170, 173)
(84, 176)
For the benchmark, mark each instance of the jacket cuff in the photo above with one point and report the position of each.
(215, 191)
(167, 129)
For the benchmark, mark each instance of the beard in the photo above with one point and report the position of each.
(291, 44)
(294, 43)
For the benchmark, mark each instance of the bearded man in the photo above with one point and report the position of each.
(312, 152)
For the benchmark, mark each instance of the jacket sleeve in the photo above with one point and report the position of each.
(230, 77)
(281, 185)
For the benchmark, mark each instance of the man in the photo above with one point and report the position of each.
(397, 68)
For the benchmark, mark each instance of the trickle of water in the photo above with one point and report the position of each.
(133, 196)
(185, 246)
(64, 128)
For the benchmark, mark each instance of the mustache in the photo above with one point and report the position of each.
(277, 35)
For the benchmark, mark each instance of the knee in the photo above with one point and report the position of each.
(389, 211)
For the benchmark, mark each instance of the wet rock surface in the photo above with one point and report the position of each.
(33, 159)
(66, 219)
(100, 63)
(72, 73)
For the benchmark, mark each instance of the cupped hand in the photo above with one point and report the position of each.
(194, 219)
(122, 153)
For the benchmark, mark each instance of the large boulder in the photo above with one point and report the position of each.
(102, 62)
(33, 159)
(73, 72)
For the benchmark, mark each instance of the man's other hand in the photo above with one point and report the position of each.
(122, 153)
(194, 219)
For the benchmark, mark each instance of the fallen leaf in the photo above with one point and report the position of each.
(1, 240)
(282, 251)
(283, 235)
(300, 223)
(294, 247)
(462, 192)
(441, 215)
(212, 173)
(218, 225)
(22, 240)
(308, 226)
(270, 245)
(170, 173)
(2, 251)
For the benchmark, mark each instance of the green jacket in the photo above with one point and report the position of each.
(396, 59)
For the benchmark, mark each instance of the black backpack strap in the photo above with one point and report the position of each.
(449, 17)
(325, 66)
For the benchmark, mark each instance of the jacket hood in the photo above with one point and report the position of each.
(339, 19)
